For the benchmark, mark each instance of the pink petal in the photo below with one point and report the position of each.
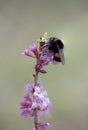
(43, 71)
(34, 49)
(28, 53)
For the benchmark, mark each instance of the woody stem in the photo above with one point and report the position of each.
(36, 110)
(36, 122)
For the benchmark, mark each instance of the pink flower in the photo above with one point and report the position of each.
(38, 68)
(41, 99)
(45, 60)
(43, 71)
(28, 53)
(25, 106)
(29, 88)
(42, 126)
(34, 49)
(40, 84)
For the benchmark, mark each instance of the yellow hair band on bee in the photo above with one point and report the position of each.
(55, 39)
(57, 54)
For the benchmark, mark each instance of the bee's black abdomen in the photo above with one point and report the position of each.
(55, 44)
(53, 47)
(60, 44)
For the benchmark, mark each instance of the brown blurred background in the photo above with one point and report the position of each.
(21, 23)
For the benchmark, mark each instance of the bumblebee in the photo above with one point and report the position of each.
(56, 46)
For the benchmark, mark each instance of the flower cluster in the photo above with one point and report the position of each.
(36, 97)
(32, 51)
(43, 57)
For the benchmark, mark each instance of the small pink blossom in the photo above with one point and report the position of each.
(29, 88)
(43, 71)
(45, 60)
(38, 67)
(40, 84)
(28, 53)
(25, 106)
(41, 99)
(34, 49)
(42, 126)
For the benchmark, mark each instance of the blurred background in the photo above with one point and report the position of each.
(21, 23)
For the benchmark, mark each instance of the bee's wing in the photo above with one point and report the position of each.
(62, 57)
